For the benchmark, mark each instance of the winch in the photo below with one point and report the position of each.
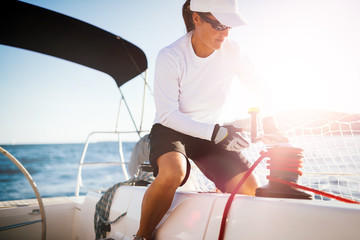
(284, 162)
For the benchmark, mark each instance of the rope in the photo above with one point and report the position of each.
(102, 211)
(292, 184)
(325, 194)
(103, 206)
(232, 195)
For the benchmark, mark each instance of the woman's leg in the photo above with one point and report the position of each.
(247, 188)
(158, 197)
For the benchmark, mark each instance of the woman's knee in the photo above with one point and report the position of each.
(172, 168)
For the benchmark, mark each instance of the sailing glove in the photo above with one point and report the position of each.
(228, 138)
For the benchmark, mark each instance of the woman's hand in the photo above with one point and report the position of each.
(228, 137)
(272, 133)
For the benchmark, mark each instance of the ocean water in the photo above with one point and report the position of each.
(54, 169)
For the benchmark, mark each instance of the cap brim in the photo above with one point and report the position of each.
(229, 19)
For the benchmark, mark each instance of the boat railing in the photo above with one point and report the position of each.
(138, 130)
(122, 161)
(121, 155)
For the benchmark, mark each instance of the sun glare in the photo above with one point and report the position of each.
(308, 57)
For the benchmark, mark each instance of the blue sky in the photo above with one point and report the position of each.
(307, 50)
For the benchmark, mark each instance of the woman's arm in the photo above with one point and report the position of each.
(166, 94)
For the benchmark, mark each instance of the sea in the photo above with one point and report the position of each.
(54, 169)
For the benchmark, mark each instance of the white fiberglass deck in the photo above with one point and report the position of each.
(192, 216)
(198, 216)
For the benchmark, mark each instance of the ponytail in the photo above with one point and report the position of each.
(188, 16)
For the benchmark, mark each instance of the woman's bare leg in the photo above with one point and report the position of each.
(247, 188)
(158, 197)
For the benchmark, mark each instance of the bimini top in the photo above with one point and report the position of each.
(42, 30)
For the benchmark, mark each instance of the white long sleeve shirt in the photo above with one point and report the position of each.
(190, 91)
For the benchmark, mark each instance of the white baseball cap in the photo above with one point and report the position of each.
(225, 11)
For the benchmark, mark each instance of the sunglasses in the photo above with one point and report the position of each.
(214, 23)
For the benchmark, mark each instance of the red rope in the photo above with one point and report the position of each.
(232, 195)
(247, 174)
(292, 184)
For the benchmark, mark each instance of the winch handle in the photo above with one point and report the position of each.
(253, 111)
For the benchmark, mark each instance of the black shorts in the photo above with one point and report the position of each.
(217, 164)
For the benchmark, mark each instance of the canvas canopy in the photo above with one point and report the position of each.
(41, 30)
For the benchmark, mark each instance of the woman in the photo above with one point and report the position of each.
(192, 80)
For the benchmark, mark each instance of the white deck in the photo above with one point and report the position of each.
(198, 216)
(191, 216)
(59, 215)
